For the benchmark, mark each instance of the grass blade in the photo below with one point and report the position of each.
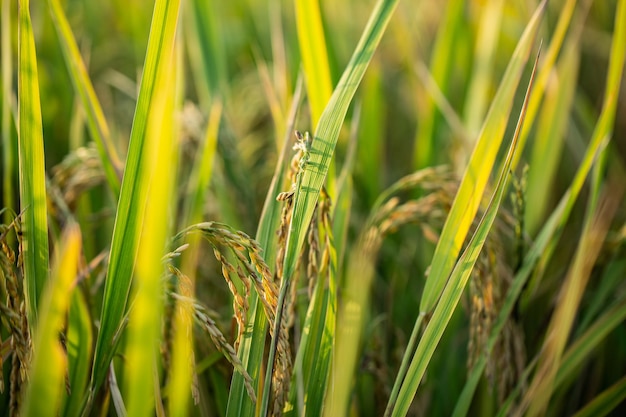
(205, 47)
(133, 195)
(477, 173)
(595, 229)
(7, 140)
(565, 16)
(208, 66)
(601, 134)
(181, 370)
(79, 352)
(580, 350)
(315, 66)
(542, 242)
(482, 71)
(456, 284)
(545, 243)
(544, 246)
(253, 342)
(144, 324)
(327, 133)
(96, 122)
(440, 66)
(321, 351)
(323, 146)
(31, 167)
(314, 56)
(313, 360)
(473, 184)
(550, 136)
(370, 135)
(609, 283)
(44, 392)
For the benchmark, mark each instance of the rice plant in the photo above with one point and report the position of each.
(312, 208)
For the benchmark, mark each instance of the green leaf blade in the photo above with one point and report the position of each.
(145, 318)
(476, 175)
(133, 194)
(459, 277)
(44, 392)
(97, 124)
(31, 167)
(327, 132)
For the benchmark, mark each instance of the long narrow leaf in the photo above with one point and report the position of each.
(96, 122)
(7, 140)
(484, 55)
(543, 248)
(208, 66)
(601, 133)
(458, 279)
(133, 195)
(207, 55)
(470, 192)
(43, 397)
(315, 66)
(371, 134)
(79, 352)
(31, 167)
(321, 153)
(575, 355)
(144, 326)
(314, 56)
(552, 51)
(327, 133)
(473, 184)
(440, 65)
(181, 370)
(593, 235)
(316, 346)
(542, 241)
(550, 135)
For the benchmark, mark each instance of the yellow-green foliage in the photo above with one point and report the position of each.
(307, 208)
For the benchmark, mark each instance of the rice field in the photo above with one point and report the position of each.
(313, 208)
